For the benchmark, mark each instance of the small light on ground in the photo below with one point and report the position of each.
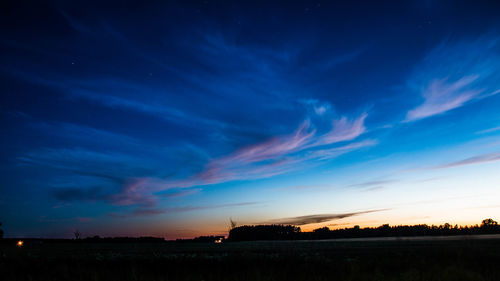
(20, 243)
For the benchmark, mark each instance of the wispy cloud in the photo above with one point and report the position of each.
(172, 193)
(80, 194)
(309, 187)
(490, 130)
(219, 45)
(335, 61)
(272, 148)
(372, 183)
(330, 153)
(85, 134)
(485, 158)
(318, 107)
(319, 218)
(81, 160)
(148, 211)
(115, 92)
(343, 130)
(110, 177)
(454, 74)
(441, 96)
(92, 176)
(74, 23)
(104, 91)
(46, 219)
(135, 193)
(138, 212)
(277, 155)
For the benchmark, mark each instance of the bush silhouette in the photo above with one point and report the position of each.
(489, 223)
(490, 226)
(264, 232)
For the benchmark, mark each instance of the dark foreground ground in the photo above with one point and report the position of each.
(393, 259)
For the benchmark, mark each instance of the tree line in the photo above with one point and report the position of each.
(290, 232)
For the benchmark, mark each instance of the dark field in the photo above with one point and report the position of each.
(462, 259)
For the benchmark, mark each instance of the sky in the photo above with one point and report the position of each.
(170, 118)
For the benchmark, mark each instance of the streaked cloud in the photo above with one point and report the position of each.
(74, 23)
(172, 193)
(139, 212)
(272, 148)
(74, 194)
(91, 176)
(147, 211)
(117, 93)
(309, 187)
(442, 95)
(490, 130)
(45, 219)
(372, 183)
(485, 158)
(319, 218)
(275, 156)
(343, 130)
(318, 107)
(454, 74)
(330, 153)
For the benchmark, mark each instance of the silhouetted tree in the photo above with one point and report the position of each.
(1, 231)
(264, 232)
(289, 232)
(322, 230)
(488, 223)
(489, 226)
(77, 234)
(321, 233)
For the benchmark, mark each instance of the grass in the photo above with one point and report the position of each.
(280, 260)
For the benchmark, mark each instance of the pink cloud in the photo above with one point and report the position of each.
(441, 96)
(137, 191)
(454, 74)
(480, 159)
(278, 155)
(272, 148)
(490, 130)
(343, 130)
(325, 154)
(238, 171)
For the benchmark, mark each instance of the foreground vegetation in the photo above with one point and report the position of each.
(468, 259)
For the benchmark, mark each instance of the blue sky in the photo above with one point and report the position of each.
(167, 119)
